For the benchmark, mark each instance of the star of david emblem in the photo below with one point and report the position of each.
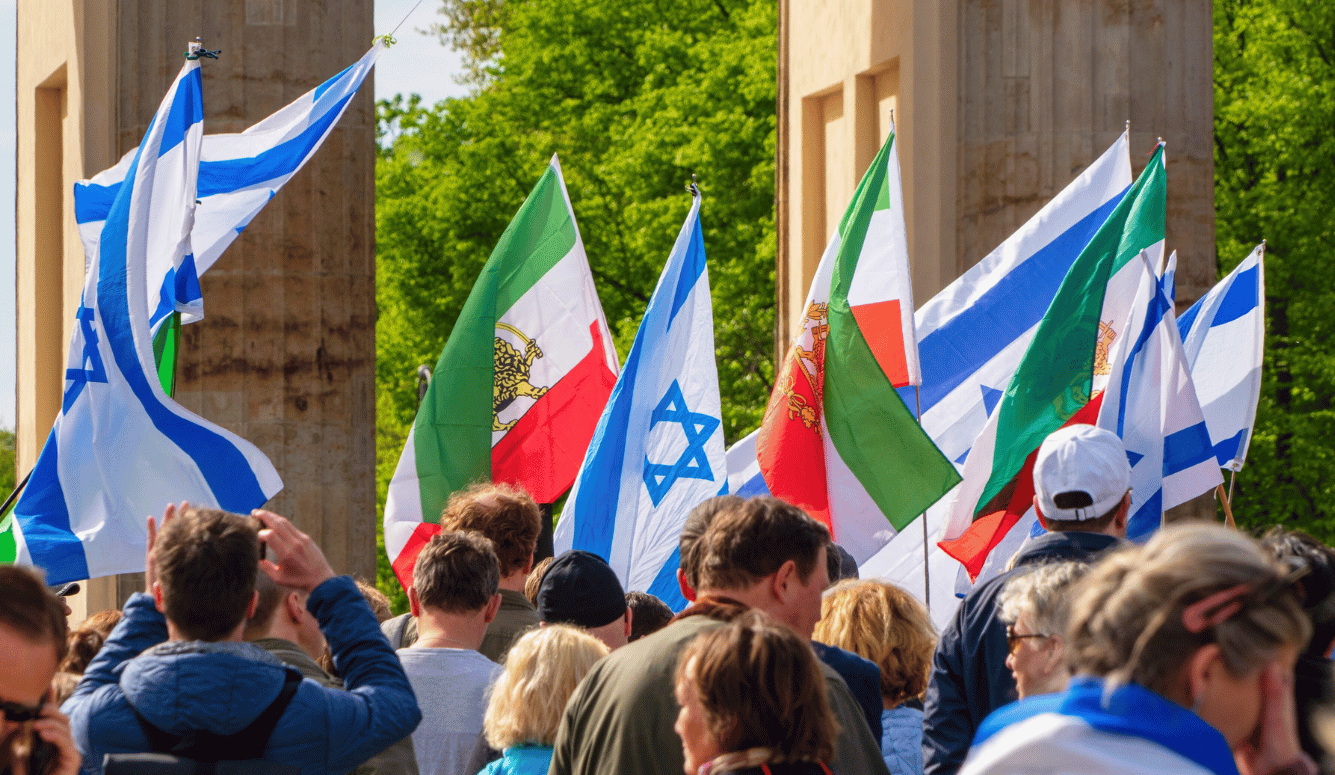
(91, 368)
(694, 462)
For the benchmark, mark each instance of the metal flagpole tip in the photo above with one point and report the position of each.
(195, 50)
(691, 187)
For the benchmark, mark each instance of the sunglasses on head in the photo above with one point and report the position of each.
(19, 713)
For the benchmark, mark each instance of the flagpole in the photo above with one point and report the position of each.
(926, 573)
(1228, 508)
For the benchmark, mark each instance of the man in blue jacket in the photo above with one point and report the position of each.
(176, 677)
(1082, 494)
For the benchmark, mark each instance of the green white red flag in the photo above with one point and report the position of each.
(523, 378)
(837, 439)
(1064, 370)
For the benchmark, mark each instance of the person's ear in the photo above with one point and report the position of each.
(295, 606)
(493, 606)
(1123, 509)
(782, 580)
(1039, 512)
(630, 616)
(254, 603)
(414, 605)
(157, 596)
(687, 591)
(1203, 671)
(528, 566)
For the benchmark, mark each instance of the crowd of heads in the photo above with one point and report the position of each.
(1203, 617)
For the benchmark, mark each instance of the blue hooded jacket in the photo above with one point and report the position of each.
(183, 686)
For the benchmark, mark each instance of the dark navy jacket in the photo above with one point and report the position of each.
(863, 677)
(969, 674)
(184, 686)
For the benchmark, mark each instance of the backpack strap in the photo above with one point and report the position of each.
(208, 747)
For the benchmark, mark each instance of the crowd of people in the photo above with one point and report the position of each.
(245, 652)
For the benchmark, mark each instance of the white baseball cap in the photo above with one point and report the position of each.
(1084, 467)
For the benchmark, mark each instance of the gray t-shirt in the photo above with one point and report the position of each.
(451, 687)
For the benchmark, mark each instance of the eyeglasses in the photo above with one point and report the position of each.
(19, 713)
(1013, 638)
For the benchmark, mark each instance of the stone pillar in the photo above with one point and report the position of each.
(285, 356)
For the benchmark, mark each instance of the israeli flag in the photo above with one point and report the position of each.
(1223, 335)
(658, 449)
(238, 174)
(121, 449)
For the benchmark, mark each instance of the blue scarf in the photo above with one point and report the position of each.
(1133, 711)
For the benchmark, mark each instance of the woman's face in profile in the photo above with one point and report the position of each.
(697, 743)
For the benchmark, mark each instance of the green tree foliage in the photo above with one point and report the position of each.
(1274, 81)
(635, 96)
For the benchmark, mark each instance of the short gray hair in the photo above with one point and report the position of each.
(1043, 595)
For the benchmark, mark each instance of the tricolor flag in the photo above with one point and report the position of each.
(1151, 404)
(658, 450)
(837, 439)
(121, 448)
(1065, 365)
(238, 174)
(1223, 335)
(518, 388)
(972, 335)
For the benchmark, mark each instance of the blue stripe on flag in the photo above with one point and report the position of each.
(1239, 299)
(1226, 451)
(601, 472)
(665, 586)
(187, 109)
(1158, 306)
(224, 176)
(224, 468)
(753, 487)
(92, 202)
(1146, 519)
(692, 267)
(1186, 448)
(953, 352)
(51, 541)
(1188, 319)
(329, 84)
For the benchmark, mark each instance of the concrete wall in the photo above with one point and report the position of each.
(285, 356)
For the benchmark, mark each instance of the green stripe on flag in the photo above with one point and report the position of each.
(166, 349)
(874, 433)
(1055, 376)
(452, 431)
(9, 550)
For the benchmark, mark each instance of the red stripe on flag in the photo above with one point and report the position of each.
(790, 448)
(975, 544)
(543, 451)
(882, 325)
(403, 564)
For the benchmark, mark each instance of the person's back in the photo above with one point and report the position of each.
(761, 553)
(454, 597)
(1081, 481)
(187, 677)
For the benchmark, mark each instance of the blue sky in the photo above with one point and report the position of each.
(418, 63)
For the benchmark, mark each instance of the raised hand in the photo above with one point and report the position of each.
(1274, 748)
(300, 563)
(150, 567)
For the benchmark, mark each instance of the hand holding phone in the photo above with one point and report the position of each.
(52, 751)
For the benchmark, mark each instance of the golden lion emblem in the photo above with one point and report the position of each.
(810, 360)
(512, 375)
(1106, 337)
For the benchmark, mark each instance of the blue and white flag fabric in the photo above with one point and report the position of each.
(971, 337)
(1223, 335)
(121, 449)
(658, 449)
(1150, 402)
(238, 174)
(1168, 280)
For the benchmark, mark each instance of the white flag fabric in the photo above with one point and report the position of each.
(1168, 280)
(658, 450)
(1150, 402)
(1223, 335)
(121, 449)
(238, 174)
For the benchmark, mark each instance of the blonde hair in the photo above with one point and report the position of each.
(1043, 593)
(542, 670)
(1127, 613)
(883, 623)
